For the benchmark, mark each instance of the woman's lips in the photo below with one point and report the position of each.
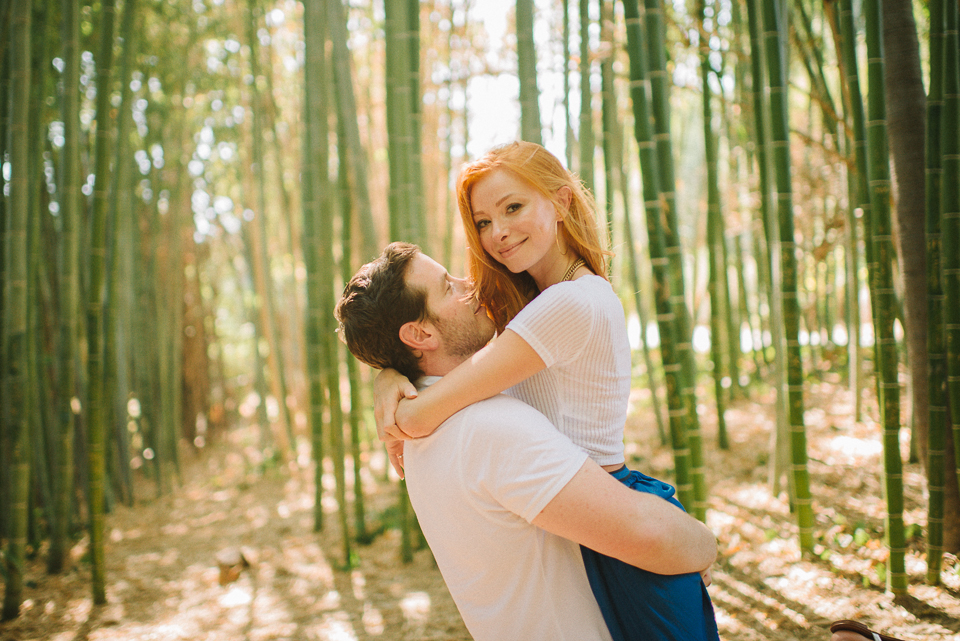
(511, 249)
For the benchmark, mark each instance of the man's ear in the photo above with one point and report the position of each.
(418, 335)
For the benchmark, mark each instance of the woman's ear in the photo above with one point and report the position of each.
(418, 335)
(565, 197)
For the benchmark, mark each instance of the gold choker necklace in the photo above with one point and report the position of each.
(574, 267)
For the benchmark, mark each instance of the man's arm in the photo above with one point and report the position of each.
(644, 530)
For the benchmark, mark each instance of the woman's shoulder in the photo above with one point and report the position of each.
(575, 298)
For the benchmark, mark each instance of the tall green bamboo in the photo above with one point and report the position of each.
(14, 327)
(950, 216)
(5, 106)
(116, 378)
(418, 202)
(353, 370)
(530, 128)
(586, 99)
(162, 394)
(145, 330)
(568, 126)
(406, 219)
(610, 140)
(660, 82)
(352, 183)
(714, 231)
(937, 410)
(775, 34)
(615, 170)
(264, 278)
(40, 420)
(761, 133)
(885, 297)
(857, 173)
(327, 263)
(95, 406)
(356, 167)
(768, 266)
(315, 168)
(656, 215)
(400, 124)
(70, 211)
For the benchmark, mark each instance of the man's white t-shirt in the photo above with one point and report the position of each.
(475, 484)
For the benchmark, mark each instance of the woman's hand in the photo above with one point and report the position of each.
(389, 388)
(704, 574)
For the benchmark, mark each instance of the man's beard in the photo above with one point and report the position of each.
(463, 341)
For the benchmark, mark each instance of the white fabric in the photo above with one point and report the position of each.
(475, 484)
(578, 329)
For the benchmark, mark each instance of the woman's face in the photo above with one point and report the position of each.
(517, 224)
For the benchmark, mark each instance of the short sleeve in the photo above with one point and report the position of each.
(522, 460)
(557, 324)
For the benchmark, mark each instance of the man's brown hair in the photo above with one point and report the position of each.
(374, 306)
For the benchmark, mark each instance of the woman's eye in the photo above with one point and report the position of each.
(481, 224)
(513, 207)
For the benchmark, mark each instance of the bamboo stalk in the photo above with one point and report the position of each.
(70, 210)
(586, 100)
(785, 246)
(937, 410)
(530, 127)
(14, 328)
(654, 206)
(885, 305)
(714, 231)
(950, 216)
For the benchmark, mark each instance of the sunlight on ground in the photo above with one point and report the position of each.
(850, 450)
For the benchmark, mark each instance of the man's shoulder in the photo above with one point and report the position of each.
(504, 413)
(505, 418)
(505, 405)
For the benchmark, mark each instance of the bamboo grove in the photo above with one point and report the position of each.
(187, 183)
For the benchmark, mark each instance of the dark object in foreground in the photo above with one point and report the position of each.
(859, 628)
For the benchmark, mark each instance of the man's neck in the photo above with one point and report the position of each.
(434, 364)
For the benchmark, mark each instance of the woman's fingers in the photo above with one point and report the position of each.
(395, 455)
(707, 579)
(389, 388)
(394, 433)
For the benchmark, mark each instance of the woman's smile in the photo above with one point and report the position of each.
(511, 249)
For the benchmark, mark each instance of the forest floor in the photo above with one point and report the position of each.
(163, 576)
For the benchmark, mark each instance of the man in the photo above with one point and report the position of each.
(485, 483)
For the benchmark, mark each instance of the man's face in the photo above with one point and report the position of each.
(462, 323)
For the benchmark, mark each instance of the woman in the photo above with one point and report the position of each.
(538, 265)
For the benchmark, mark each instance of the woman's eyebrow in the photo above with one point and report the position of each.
(496, 204)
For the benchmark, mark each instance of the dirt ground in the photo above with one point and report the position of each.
(163, 576)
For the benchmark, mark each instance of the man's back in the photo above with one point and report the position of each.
(475, 484)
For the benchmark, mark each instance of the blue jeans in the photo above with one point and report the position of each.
(643, 606)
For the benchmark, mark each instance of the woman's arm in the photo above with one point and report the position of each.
(500, 365)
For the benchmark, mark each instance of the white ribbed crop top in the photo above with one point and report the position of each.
(578, 329)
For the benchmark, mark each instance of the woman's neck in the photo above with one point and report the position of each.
(560, 270)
